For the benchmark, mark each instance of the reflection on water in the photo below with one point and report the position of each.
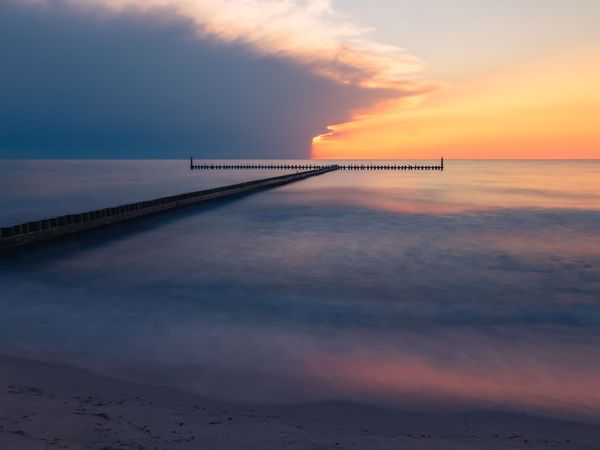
(476, 288)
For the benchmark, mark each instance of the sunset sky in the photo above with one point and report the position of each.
(515, 79)
(295, 79)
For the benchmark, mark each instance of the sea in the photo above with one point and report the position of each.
(472, 289)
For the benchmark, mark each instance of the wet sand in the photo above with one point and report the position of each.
(47, 406)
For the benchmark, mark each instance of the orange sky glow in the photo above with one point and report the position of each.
(549, 109)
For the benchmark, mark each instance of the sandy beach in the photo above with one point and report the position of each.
(46, 406)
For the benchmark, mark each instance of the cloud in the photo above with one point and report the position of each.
(309, 31)
(161, 78)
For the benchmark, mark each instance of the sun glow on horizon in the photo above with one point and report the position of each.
(550, 109)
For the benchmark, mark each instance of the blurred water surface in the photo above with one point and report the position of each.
(475, 288)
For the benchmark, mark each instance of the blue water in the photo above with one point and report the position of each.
(475, 288)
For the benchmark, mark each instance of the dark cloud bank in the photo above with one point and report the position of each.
(77, 84)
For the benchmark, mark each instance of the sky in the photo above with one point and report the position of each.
(299, 78)
(517, 79)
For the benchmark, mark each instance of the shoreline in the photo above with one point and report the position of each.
(50, 406)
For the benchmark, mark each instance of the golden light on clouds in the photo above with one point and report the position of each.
(311, 32)
(546, 110)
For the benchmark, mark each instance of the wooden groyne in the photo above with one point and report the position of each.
(356, 166)
(47, 229)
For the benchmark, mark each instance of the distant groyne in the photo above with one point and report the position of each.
(48, 229)
(313, 166)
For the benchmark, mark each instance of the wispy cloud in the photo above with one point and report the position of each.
(309, 31)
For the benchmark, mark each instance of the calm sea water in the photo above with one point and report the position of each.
(475, 288)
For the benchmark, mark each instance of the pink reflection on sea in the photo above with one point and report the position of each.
(539, 371)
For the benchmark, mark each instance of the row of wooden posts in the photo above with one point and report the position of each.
(357, 166)
(54, 227)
